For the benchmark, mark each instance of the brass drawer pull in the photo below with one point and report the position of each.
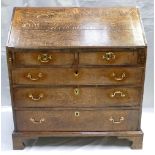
(77, 113)
(76, 91)
(109, 56)
(123, 76)
(29, 76)
(44, 58)
(120, 93)
(37, 121)
(116, 122)
(36, 99)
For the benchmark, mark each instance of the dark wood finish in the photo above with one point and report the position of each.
(89, 76)
(77, 97)
(83, 76)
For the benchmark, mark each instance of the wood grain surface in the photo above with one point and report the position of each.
(76, 72)
(75, 27)
(86, 97)
(66, 120)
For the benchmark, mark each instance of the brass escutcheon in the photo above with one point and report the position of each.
(76, 73)
(77, 113)
(76, 91)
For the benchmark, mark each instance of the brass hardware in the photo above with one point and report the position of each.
(120, 93)
(76, 91)
(37, 121)
(10, 59)
(76, 73)
(77, 113)
(44, 58)
(109, 56)
(116, 122)
(29, 76)
(119, 78)
(36, 99)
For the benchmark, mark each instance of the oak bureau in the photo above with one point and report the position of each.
(76, 72)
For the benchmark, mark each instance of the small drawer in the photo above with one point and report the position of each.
(77, 120)
(84, 76)
(77, 97)
(55, 57)
(108, 58)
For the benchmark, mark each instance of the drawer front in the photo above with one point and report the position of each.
(67, 76)
(108, 58)
(43, 58)
(76, 97)
(77, 120)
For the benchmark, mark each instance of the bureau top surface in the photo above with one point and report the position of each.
(75, 28)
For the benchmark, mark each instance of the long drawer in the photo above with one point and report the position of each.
(77, 120)
(84, 76)
(76, 96)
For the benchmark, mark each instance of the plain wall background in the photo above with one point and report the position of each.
(146, 10)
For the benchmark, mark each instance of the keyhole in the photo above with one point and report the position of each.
(76, 73)
(77, 113)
